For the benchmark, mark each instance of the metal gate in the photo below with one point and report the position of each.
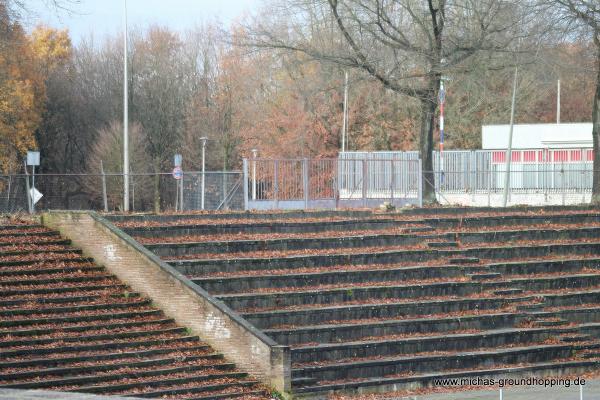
(330, 183)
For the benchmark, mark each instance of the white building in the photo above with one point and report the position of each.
(537, 136)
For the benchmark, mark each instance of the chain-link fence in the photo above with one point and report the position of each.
(222, 190)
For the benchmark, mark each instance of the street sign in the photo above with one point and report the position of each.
(33, 158)
(177, 173)
(35, 195)
(178, 160)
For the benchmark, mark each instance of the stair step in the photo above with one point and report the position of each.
(108, 377)
(595, 354)
(421, 229)
(437, 245)
(464, 260)
(530, 307)
(102, 346)
(230, 395)
(576, 338)
(169, 386)
(427, 379)
(303, 381)
(31, 342)
(58, 362)
(485, 276)
(547, 323)
(508, 292)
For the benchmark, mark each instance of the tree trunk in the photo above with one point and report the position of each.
(596, 132)
(428, 108)
(156, 187)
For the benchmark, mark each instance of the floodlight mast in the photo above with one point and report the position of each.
(203, 139)
(125, 117)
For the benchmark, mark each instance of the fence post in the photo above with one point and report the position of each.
(474, 175)
(305, 181)
(489, 186)
(420, 183)
(245, 178)
(181, 203)
(8, 197)
(226, 190)
(276, 184)
(27, 191)
(562, 181)
(104, 197)
(392, 177)
(364, 182)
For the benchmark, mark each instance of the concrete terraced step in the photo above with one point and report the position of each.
(99, 346)
(412, 344)
(299, 296)
(32, 342)
(72, 309)
(171, 247)
(368, 368)
(110, 356)
(92, 369)
(424, 380)
(160, 389)
(521, 220)
(324, 314)
(485, 276)
(151, 371)
(343, 331)
(26, 234)
(383, 256)
(4, 272)
(244, 283)
(81, 328)
(442, 245)
(223, 285)
(295, 214)
(266, 227)
(59, 259)
(65, 289)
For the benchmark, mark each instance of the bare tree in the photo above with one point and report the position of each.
(407, 45)
(583, 17)
(17, 8)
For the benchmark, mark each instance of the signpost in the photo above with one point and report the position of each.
(33, 159)
(178, 175)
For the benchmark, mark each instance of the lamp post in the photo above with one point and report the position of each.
(203, 139)
(345, 120)
(510, 139)
(125, 116)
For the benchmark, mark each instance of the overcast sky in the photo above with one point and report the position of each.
(102, 17)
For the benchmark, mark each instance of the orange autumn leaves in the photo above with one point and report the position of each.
(25, 63)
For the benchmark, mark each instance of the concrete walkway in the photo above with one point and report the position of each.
(591, 391)
(12, 394)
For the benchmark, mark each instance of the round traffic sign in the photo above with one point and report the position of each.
(177, 173)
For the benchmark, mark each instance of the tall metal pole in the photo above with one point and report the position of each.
(442, 99)
(510, 138)
(125, 116)
(203, 171)
(345, 121)
(33, 188)
(558, 103)
(254, 153)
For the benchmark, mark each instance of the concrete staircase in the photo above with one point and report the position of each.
(386, 302)
(68, 325)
